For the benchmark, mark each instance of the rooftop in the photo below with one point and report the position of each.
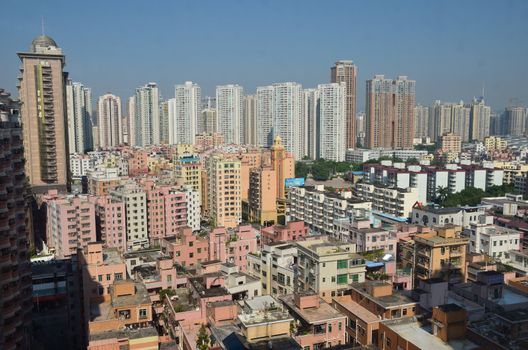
(198, 285)
(312, 315)
(397, 298)
(356, 309)
(124, 333)
(111, 256)
(412, 331)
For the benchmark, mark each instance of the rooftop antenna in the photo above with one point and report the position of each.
(483, 87)
(42, 24)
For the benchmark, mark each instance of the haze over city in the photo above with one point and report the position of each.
(451, 48)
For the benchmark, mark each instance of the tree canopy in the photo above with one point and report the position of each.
(471, 195)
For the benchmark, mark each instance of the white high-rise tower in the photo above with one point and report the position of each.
(229, 110)
(147, 115)
(184, 112)
(109, 121)
(79, 111)
(332, 121)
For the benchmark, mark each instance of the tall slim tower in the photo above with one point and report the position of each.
(42, 90)
(184, 113)
(421, 121)
(79, 110)
(346, 71)
(332, 121)
(147, 115)
(310, 123)
(109, 121)
(390, 112)
(131, 121)
(480, 120)
(264, 106)
(287, 116)
(249, 123)
(229, 110)
(15, 279)
(515, 120)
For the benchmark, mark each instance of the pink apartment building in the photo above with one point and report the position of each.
(185, 248)
(294, 230)
(110, 219)
(70, 224)
(162, 275)
(369, 238)
(233, 245)
(318, 324)
(137, 162)
(166, 210)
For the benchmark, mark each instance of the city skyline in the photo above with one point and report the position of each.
(449, 58)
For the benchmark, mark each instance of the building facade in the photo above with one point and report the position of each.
(346, 72)
(229, 112)
(109, 121)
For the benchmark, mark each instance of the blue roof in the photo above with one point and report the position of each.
(372, 264)
(388, 216)
(189, 159)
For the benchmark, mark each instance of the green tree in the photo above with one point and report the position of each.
(202, 340)
(413, 161)
(302, 169)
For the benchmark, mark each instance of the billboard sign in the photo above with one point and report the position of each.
(294, 182)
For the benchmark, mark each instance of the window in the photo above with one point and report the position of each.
(100, 278)
(389, 343)
(333, 279)
(354, 277)
(339, 326)
(142, 313)
(191, 255)
(199, 250)
(342, 264)
(108, 277)
(190, 244)
(169, 278)
(329, 328)
(342, 279)
(324, 280)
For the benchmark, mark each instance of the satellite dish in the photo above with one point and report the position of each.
(387, 257)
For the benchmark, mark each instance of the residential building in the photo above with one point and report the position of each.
(42, 90)
(134, 198)
(249, 121)
(109, 121)
(185, 248)
(233, 245)
(327, 268)
(15, 275)
(110, 221)
(421, 121)
(389, 200)
(515, 121)
(368, 304)
(432, 216)
(164, 121)
(493, 240)
(346, 72)
(318, 325)
(368, 237)
(287, 116)
(310, 123)
(262, 196)
(275, 266)
(184, 113)
(79, 110)
(440, 254)
(189, 168)
(207, 122)
(80, 165)
(208, 141)
(225, 203)
(451, 143)
(292, 231)
(71, 224)
(131, 125)
(495, 143)
(390, 112)
(480, 120)
(321, 209)
(333, 122)
(124, 319)
(193, 203)
(147, 121)
(100, 182)
(229, 112)
(264, 115)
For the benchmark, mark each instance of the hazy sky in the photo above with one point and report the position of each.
(451, 48)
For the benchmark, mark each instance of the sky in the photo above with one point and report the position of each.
(451, 48)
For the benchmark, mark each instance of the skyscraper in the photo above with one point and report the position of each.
(109, 121)
(450, 118)
(264, 106)
(147, 115)
(164, 116)
(287, 116)
(184, 113)
(208, 121)
(79, 112)
(515, 120)
(229, 110)
(310, 123)
(15, 279)
(346, 71)
(332, 121)
(480, 120)
(390, 112)
(131, 121)
(42, 93)
(249, 121)
(421, 121)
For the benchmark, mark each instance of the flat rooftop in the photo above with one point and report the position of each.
(198, 285)
(112, 256)
(124, 333)
(412, 331)
(397, 298)
(356, 309)
(315, 314)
